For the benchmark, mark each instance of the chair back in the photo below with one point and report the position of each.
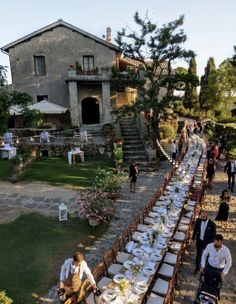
(108, 258)
(99, 271)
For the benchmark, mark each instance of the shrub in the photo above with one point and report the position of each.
(108, 129)
(95, 204)
(118, 154)
(109, 181)
(167, 132)
(4, 299)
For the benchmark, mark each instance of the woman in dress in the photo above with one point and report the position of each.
(223, 213)
(133, 172)
(210, 172)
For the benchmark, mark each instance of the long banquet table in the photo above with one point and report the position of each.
(165, 227)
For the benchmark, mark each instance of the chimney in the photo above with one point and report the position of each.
(108, 37)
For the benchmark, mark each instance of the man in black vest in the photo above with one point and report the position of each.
(204, 232)
(230, 169)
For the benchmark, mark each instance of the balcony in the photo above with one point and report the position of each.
(89, 76)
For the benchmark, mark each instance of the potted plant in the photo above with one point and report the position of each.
(95, 206)
(17, 163)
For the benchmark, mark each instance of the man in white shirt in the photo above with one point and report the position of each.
(216, 258)
(71, 275)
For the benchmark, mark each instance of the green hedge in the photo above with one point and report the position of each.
(167, 132)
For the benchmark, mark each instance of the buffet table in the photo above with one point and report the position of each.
(7, 152)
(71, 155)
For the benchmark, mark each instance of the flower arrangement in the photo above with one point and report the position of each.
(135, 269)
(124, 285)
(95, 204)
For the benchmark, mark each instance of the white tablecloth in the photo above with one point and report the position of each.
(8, 152)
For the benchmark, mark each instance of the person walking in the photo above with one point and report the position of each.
(71, 275)
(211, 169)
(230, 169)
(216, 261)
(174, 150)
(133, 173)
(204, 232)
(223, 213)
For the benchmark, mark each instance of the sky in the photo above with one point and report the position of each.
(210, 25)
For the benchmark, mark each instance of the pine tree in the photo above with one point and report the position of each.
(191, 96)
(155, 49)
(209, 92)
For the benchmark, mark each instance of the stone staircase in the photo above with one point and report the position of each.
(133, 148)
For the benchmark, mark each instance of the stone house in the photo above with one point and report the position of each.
(69, 67)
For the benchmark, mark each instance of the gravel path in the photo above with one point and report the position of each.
(187, 281)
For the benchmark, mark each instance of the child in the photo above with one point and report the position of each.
(223, 213)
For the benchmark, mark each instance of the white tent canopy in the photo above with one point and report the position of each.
(44, 107)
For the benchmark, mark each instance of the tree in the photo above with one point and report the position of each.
(154, 49)
(227, 83)
(8, 99)
(209, 93)
(191, 96)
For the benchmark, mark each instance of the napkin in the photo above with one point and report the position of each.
(151, 265)
(130, 246)
(147, 249)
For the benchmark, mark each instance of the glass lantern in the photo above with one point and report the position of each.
(63, 212)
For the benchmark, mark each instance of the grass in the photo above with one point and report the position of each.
(32, 250)
(5, 169)
(57, 171)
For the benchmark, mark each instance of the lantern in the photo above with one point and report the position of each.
(63, 212)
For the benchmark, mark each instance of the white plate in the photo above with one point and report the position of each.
(155, 257)
(148, 271)
(141, 287)
(118, 277)
(128, 264)
(137, 252)
(109, 295)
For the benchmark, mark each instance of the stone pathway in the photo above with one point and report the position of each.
(187, 281)
(22, 198)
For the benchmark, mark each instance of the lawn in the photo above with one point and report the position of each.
(5, 169)
(57, 171)
(32, 250)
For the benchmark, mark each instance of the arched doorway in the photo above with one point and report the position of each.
(90, 111)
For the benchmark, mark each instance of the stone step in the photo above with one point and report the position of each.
(133, 147)
(135, 157)
(131, 131)
(133, 152)
(130, 137)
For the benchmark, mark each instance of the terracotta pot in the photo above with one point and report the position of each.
(93, 221)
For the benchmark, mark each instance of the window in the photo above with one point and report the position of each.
(39, 66)
(42, 97)
(88, 63)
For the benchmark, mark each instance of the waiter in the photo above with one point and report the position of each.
(204, 232)
(72, 272)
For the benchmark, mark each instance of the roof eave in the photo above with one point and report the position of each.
(5, 49)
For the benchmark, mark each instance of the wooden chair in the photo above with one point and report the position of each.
(100, 275)
(112, 268)
(125, 238)
(120, 255)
